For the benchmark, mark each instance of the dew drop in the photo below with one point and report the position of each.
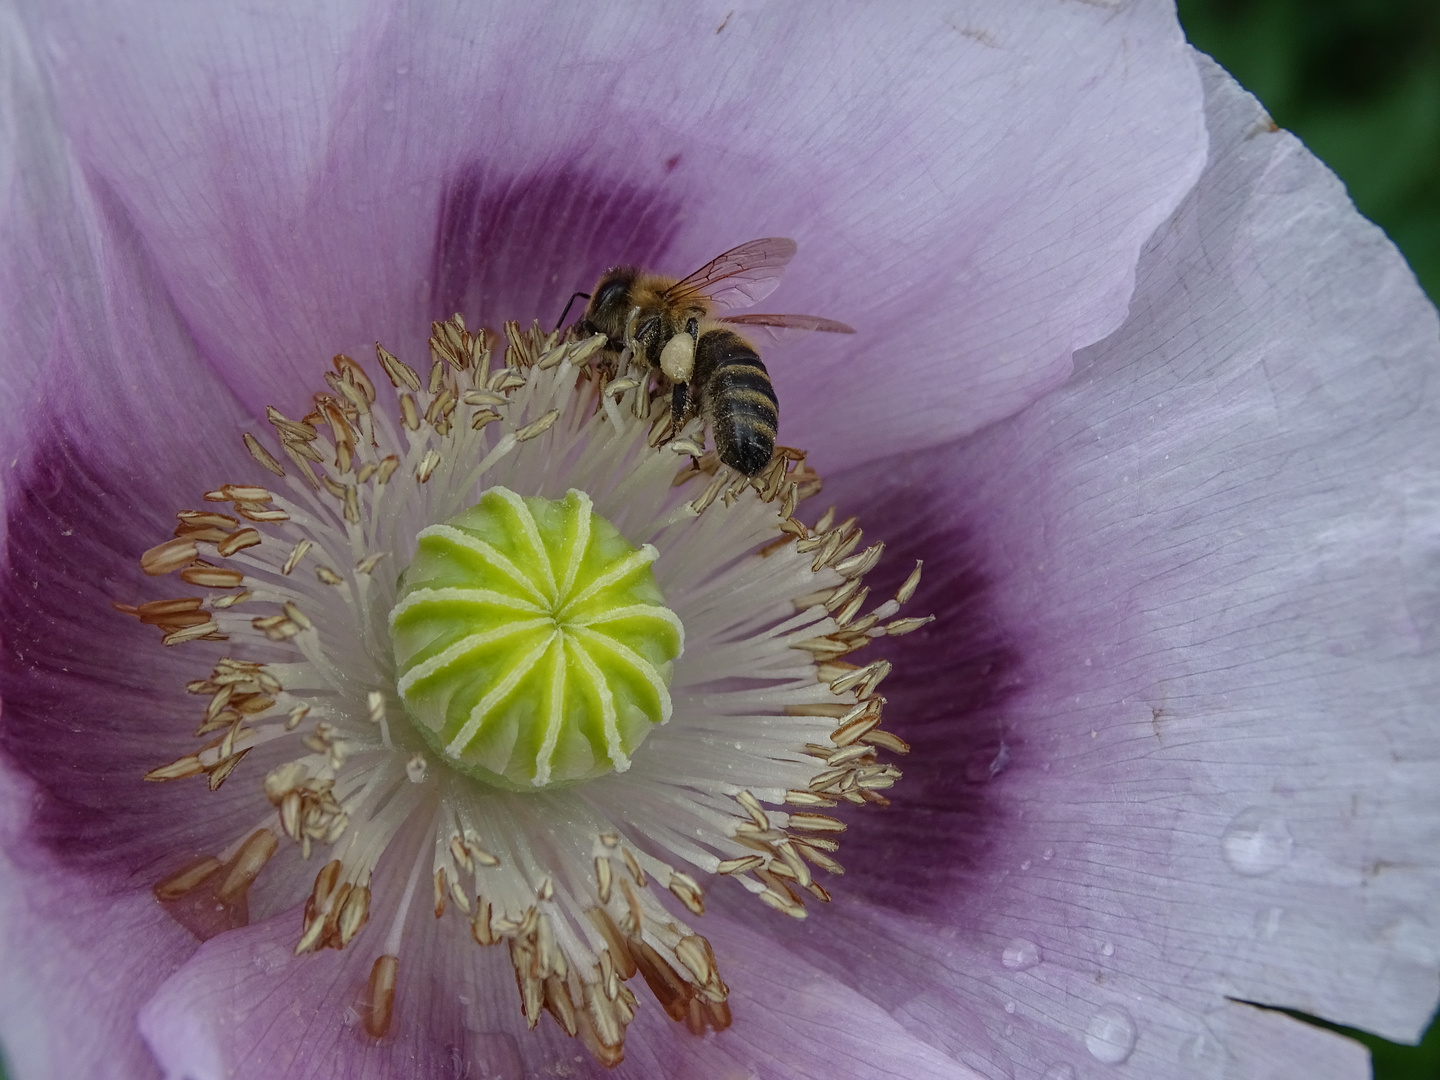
(1110, 1036)
(1267, 922)
(1010, 1007)
(1107, 949)
(1257, 842)
(495, 1055)
(986, 763)
(1048, 854)
(269, 957)
(1201, 1049)
(1021, 954)
(1025, 865)
(1059, 1072)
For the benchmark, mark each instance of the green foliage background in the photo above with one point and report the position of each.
(1359, 82)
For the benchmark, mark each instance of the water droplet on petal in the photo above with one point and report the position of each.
(1107, 949)
(1110, 1036)
(1020, 954)
(1009, 1006)
(1025, 865)
(269, 956)
(1059, 1072)
(1048, 854)
(1267, 922)
(495, 1055)
(1257, 842)
(1201, 1049)
(986, 763)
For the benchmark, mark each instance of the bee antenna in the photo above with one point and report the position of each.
(572, 300)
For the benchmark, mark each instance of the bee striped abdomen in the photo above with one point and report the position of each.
(739, 401)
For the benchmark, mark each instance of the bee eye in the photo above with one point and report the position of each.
(611, 292)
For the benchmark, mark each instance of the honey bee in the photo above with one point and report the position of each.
(675, 325)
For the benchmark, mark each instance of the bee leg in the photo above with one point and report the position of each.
(680, 404)
(644, 341)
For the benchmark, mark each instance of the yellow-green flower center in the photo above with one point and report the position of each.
(532, 644)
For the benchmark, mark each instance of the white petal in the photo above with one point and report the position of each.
(1190, 618)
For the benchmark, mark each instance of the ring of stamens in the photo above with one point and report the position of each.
(295, 585)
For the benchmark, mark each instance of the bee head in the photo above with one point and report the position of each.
(609, 305)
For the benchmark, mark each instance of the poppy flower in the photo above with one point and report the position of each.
(455, 712)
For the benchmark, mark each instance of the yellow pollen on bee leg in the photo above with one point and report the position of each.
(677, 359)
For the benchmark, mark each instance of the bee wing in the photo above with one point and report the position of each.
(742, 276)
(788, 322)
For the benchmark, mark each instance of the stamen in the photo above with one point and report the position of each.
(191, 877)
(380, 996)
(168, 557)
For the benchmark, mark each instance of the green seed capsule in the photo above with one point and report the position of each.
(532, 644)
